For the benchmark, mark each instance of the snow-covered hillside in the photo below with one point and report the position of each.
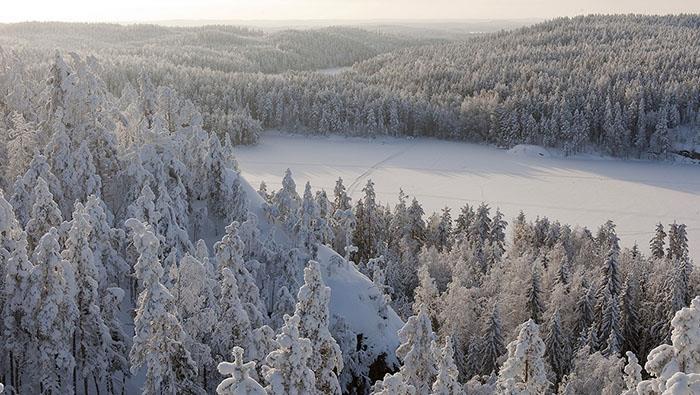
(352, 294)
(580, 190)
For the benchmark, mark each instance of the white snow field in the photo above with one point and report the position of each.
(584, 190)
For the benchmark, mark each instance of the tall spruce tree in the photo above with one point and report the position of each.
(524, 370)
(492, 343)
(312, 310)
(158, 342)
(535, 305)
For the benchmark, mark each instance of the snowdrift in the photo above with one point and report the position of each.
(530, 150)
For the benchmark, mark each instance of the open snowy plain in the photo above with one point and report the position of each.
(584, 190)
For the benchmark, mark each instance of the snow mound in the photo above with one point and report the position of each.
(530, 150)
(353, 295)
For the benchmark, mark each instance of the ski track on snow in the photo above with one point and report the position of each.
(353, 186)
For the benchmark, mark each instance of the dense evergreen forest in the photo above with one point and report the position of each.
(617, 84)
(134, 257)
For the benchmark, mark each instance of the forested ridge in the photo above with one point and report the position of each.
(134, 257)
(620, 85)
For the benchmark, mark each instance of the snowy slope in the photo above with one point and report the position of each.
(580, 190)
(351, 291)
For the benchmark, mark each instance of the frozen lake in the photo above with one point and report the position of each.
(584, 191)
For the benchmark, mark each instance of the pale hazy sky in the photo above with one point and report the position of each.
(153, 10)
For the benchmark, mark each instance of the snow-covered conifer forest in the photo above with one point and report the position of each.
(135, 257)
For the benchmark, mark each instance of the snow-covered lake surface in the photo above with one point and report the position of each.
(584, 191)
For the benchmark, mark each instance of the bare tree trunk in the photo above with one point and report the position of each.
(12, 370)
(97, 384)
(75, 371)
(204, 373)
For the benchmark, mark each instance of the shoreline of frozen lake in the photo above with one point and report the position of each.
(579, 191)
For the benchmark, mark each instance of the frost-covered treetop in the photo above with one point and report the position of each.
(148, 268)
(675, 368)
(240, 382)
(524, 370)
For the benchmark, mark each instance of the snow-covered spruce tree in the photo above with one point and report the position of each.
(287, 368)
(91, 340)
(341, 200)
(20, 141)
(354, 376)
(16, 269)
(325, 210)
(679, 288)
(594, 373)
(393, 384)
(237, 201)
(445, 234)
(61, 158)
(253, 242)
(416, 226)
(584, 310)
(682, 266)
(23, 196)
(677, 242)
(557, 348)
(312, 309)
(263, 343)
(535, 305)
(51, 315)
(367, 236)
(377, 268)
(656, 245)
(464, 220)
(45, 214)
(286, 201)
(678, 362)
(633, 374)
(144, 208)
(174, 235)
(524, 370)
(239, 382)
(498, 235)
(415, 352)
(105, 243)
(229, 255)
(193, 288)
(308, 227)
(427, 297)
(610, 286)
(630, 321)
(262, 191)
(284, 305)
(85, 180)
(344, 224)
(610, 328)
(232, 327)
(158, 340)
(492, 345)
(446, 382)
(659, 141)
(118, 364)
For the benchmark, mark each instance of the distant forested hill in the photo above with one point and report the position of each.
(618, 82)
(221, 48)
(627, 86)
